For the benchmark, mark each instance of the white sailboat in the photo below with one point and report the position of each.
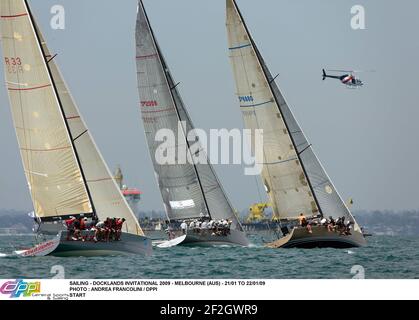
(190, 191)
(294, 178)
(66, 174)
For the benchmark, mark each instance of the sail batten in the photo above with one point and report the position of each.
(293, 176)
(189, 190)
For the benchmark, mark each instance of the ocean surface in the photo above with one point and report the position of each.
(385, 257)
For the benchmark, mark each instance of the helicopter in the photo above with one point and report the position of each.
(349, 78)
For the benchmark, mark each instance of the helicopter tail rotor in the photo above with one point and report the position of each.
(324, 75)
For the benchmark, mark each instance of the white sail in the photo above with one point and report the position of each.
(294, 177)
(51, 167)
(283, 175)
(189, 190)
(105, 195)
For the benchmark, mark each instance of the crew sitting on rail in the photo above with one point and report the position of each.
(118, 228)
(343, 227)
(204, 225)
(113, 230)
(210, 224)
(76, 230)
(305, 223)
(170, 232)
(331, 224)
(81, 230)
(100, 231)
(221, 228)
(184, 227)
(69, 223)
(192, 225)
(348, 227)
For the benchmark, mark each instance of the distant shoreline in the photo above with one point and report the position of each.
(376, 222)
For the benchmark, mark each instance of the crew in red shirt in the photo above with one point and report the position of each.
(118, 228)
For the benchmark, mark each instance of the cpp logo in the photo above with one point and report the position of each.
(20, 287)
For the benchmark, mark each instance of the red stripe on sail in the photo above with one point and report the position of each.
(14, 16)
(72, 118)
(29, 89)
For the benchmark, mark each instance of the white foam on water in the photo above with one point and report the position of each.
(350, 252)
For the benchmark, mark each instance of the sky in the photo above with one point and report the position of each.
(366, 139)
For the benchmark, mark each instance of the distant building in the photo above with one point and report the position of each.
(132, 195)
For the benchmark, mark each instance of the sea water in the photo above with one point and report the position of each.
(385, 257)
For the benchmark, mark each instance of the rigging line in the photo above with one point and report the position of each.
(175, 86)
(306, 148)
(80, 135)
(52, 58)
(274, 79)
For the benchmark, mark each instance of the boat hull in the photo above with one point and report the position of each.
(205, 238)
(61, 247)
(320, 237)
(234, 238)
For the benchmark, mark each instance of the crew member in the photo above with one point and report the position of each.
(69, 223)
(184, 227)
(118, 228)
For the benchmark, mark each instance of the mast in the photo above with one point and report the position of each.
(31, 18)
(171, 88)
(270, 81)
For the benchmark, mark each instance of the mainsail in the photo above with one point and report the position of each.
(190, 189)
(294, 178)
(65, 170)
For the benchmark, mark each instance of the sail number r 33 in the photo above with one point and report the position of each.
(13, 64)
